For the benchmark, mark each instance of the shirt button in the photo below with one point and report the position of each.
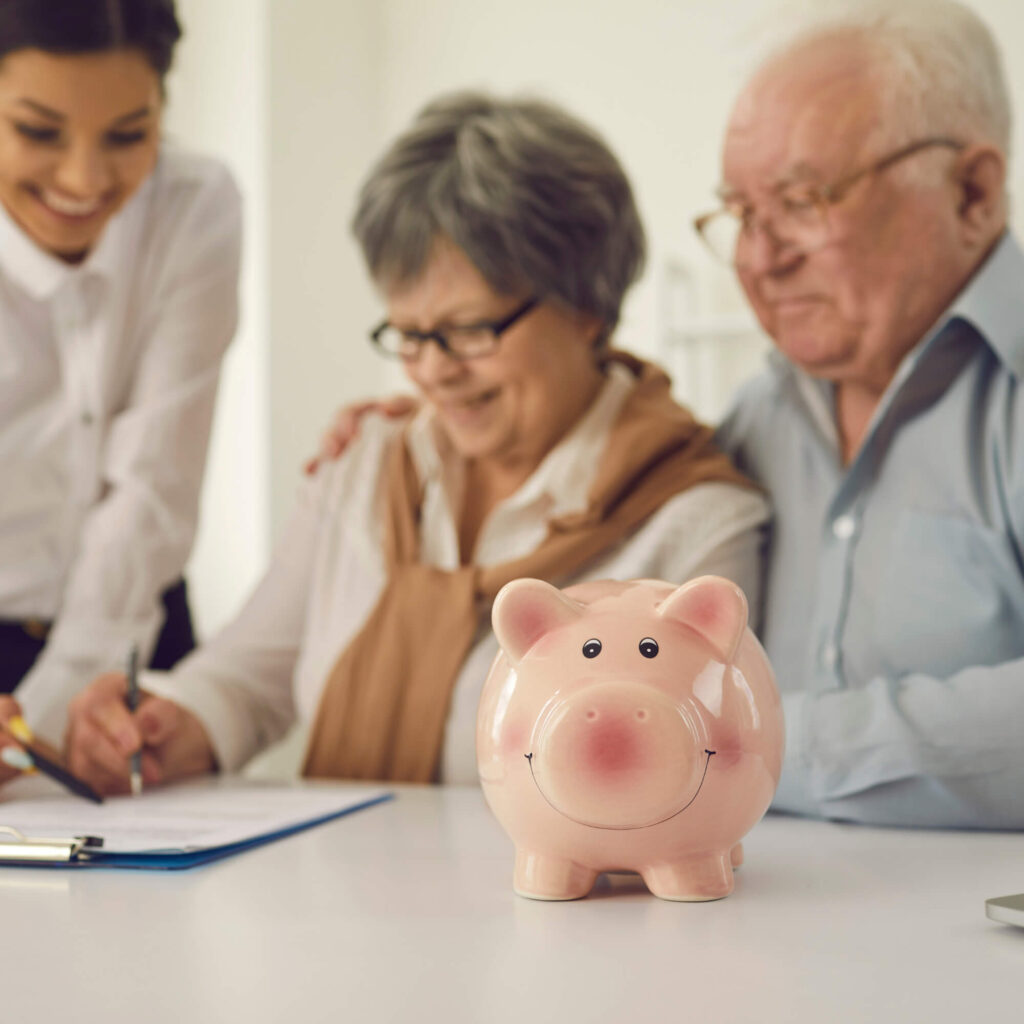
(843, 528)
(829, 655)
(86, 419)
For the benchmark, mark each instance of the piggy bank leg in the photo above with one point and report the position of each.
(736, 856)
(550, 878)
(691, 881)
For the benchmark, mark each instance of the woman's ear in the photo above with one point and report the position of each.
(980, 174)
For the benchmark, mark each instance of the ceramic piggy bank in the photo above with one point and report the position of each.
(630, 726)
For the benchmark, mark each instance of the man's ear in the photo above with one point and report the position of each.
(980, 173)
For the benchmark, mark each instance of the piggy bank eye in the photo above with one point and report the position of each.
(649, 647)
(592, 648)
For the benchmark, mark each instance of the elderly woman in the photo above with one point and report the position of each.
(502, 236)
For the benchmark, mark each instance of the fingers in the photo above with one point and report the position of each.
(8, 709)
(398, 406)
(102, 734)
(344, 428)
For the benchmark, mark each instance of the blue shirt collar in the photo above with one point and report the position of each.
(991, 303)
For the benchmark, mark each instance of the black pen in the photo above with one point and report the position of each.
(133, 703)
(19, 729)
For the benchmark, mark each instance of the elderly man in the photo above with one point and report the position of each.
(864, 208)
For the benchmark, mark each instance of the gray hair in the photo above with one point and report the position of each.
(533, 197)
(941, 68)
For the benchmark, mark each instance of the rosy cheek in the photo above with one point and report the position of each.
(515, 740)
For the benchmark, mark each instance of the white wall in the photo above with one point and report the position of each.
(217, 103)
(301, 95)
(323, 65)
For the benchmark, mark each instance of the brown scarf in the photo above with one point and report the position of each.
(383, 711)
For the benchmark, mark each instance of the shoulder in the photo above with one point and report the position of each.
(353, 478)
(191, 200)
(185, 224)
(185, 176)
(710, 508)
(755, 402)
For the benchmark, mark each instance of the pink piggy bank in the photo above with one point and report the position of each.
(628, 726)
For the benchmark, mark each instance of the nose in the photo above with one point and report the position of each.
(434, 365)
(84, 171)
(762, 250)
(619, 755)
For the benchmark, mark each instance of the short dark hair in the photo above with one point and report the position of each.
(533, 197)
(90, 26)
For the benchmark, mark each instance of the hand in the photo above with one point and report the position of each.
(103, 734)
(344, 428)
(8, 710)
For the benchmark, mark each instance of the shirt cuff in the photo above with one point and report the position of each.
(222, 718)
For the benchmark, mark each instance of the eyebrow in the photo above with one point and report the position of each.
(799, 172)
(56, 115)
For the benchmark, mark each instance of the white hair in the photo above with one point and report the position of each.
(941, 70)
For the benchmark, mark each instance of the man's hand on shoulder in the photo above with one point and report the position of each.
(344, 426)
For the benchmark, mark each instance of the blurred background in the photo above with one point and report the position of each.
(299, 97)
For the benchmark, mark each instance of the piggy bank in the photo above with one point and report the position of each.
(628, 726)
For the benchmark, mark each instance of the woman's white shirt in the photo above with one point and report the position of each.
(271, 663)
(108, 375)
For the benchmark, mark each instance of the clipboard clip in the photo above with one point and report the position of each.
(18, 848)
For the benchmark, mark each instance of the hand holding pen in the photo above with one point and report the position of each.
(22, 753)
(104, 737)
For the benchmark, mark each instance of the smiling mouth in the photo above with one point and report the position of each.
(457, 407)
(69, 209)
(625, 828)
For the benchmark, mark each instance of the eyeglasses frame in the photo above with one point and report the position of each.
(833, 193)
(496, 327)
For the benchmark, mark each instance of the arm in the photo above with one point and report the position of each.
(228, 698)
(910, 751)
(239, 685)
(136, 538)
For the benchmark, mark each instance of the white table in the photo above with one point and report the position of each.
(405, 912)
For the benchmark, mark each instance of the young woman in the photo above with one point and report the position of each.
(118, 280)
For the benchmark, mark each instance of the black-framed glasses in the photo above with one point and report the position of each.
(798, 218)
(461, 341)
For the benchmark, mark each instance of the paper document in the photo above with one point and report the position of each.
(189, 818)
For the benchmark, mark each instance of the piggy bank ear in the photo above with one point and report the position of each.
(714, 607)
(525, 610)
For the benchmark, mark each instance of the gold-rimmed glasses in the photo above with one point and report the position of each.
(798, 217)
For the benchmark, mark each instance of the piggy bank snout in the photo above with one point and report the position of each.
(619, 755)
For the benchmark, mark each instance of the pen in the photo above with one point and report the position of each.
(133, 703)
(36, 758)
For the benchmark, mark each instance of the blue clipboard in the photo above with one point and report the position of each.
(19, 850)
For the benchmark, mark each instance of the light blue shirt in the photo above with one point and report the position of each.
(894, 599)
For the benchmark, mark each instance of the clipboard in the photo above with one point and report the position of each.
(20, 848)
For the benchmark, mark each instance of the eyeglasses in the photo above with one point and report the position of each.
(460, 341)
(799, 214)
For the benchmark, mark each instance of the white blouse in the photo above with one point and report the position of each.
(270, 664)
(108, 374)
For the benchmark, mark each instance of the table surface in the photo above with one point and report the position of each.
(405, 912)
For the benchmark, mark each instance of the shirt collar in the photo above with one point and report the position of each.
(42, 275)
(565, 475)
(991, 303)
(31, 268)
